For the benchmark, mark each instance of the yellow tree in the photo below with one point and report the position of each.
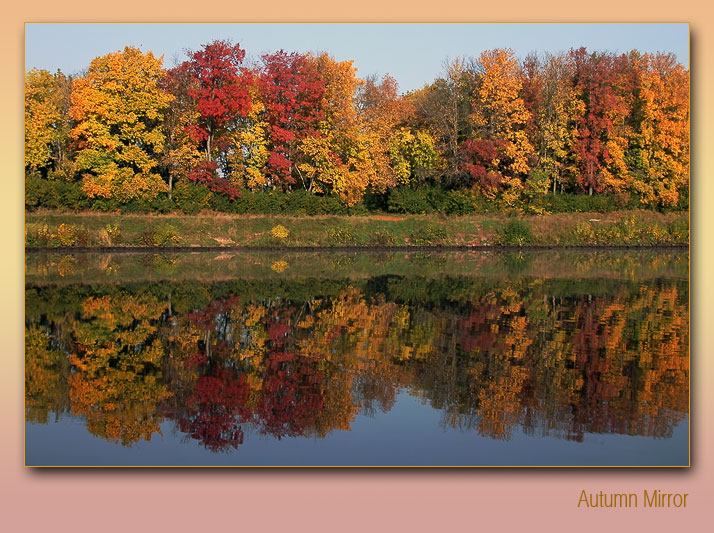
(119, 107)
(334, 158)
(249, 151)
(181, 152)
(556, 113)
(46, 122)
(500, 115)
(381, 112)
(662, 131)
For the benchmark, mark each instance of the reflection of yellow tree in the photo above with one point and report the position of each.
(353, 335)
(500, 398)
(46, 372)
(118, 384)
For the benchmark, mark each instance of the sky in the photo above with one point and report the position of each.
(413, 54)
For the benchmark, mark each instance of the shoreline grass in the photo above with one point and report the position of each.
(51, 229)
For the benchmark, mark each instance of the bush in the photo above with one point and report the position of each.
(110, 235)
(40, 193)
(578, 203)
(66, 235)
(584, 233)
(679, 230)
(341, 236)
(71, 196)
(382, 238)
(280, 232)
(162, 235)
(190, 197)
(39, 235)
(410, 201)
(515, 233)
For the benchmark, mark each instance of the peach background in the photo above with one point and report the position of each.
(427, 499)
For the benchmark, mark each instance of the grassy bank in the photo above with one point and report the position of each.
(624, 228)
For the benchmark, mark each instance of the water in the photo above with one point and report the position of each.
(444, 358)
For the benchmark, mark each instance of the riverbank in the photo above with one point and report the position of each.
(218, 230)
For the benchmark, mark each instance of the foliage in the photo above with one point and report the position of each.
(46, 121)
(162, 235)
(491, 133)
(118, 110)
(280, 232)
(219, 89)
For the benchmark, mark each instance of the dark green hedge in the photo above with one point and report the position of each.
(191, 198)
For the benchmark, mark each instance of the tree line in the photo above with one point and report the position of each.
(577, 122)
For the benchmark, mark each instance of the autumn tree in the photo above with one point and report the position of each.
(47, 123)
(499, 119)
(118, 108)
(659, 144)
(599, 147)
(292, 91)
(248, 152)
(556, 109)
(218, 84)
(383, 113)
(443, 109)
(182, 151)
(333, 159)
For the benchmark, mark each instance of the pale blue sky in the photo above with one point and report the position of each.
(411, 53)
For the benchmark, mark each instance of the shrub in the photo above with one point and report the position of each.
(191, 197)
(341, 236)
(280, 232)
(382, 238)
(584, 233)
(679, 229)
(110, 235)
(40, 193)
(162, 235)
(42, 235)
(463, 203)
(404, 200)
(515, 233)
(71, 235)
(657, 234)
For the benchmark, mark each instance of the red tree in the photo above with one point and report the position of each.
(292, 91)
(477, 160)
(219, 86)
(596, 77)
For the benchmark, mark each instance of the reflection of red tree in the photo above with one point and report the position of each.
(474, 331)
(215, 410)
(291, 398)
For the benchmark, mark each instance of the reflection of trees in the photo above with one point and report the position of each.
(546, 357)
(46, 371)
(116, 383)
(215, 410)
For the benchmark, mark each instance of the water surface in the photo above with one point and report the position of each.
(394, 358)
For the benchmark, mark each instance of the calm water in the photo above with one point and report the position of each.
(458, 358)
